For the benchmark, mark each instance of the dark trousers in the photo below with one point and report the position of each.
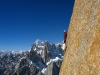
(65, 41)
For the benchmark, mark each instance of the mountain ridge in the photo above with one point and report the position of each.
(37, 60)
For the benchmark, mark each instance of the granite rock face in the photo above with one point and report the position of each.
(52, 69)
(45, 54)
(82, 55)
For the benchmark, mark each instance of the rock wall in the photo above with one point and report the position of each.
(82, 55)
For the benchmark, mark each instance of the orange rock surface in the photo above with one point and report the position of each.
(82, 56)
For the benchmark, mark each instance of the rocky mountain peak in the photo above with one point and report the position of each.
(32, 62)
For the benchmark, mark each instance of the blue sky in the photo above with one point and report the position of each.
(24, 21)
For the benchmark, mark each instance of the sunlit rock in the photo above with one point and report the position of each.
(82, 55)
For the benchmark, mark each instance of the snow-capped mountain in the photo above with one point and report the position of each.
(43, 58)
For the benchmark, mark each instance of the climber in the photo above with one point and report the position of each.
(65, 36)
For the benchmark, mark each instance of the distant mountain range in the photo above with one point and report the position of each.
(44, 58)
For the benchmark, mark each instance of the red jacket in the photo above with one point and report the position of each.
(65, 35)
